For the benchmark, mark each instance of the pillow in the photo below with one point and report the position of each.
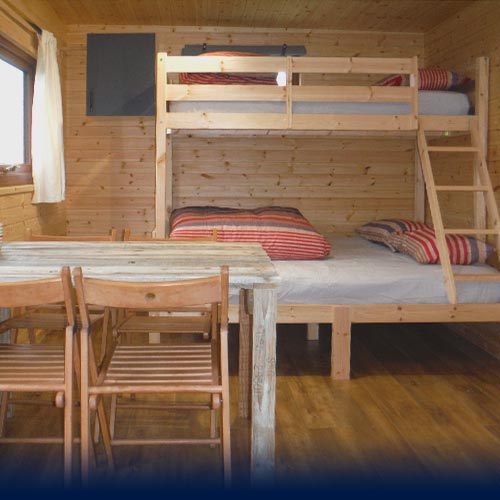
(428, 79)
(227, 78)
(283, 232)
(422, 246)
(379, 231)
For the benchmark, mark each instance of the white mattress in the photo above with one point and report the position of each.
(361, 272)
(430, 102)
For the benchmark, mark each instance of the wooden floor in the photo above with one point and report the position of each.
(423, 406)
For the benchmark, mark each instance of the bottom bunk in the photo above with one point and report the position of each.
(364, 282)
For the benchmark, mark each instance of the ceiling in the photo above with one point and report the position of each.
(377, 15)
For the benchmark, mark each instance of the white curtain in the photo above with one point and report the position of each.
(47, 140)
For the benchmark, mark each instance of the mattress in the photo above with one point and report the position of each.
(430, 102)
(362, 272)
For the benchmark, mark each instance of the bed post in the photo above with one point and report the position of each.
(481, 111)
(341, 343)
(161, 148)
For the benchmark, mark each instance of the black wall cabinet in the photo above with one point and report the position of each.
(121, 74)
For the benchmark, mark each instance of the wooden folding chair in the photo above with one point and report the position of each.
(200, 367)
(40, 367)
(50, 318)
(189, 320)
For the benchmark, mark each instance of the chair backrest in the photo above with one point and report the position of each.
(127, 236)
(40, 292)
(112, 236)
(152, 296)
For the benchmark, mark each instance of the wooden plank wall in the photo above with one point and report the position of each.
(16, 211)
(337, 182)
(455, 44)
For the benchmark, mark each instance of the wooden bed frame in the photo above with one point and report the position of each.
(168, 124)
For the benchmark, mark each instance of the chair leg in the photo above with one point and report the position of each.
(3, 411)
(112, 415)
(68, 407)
(226, 440)
(13, 335)
(32, 336)
(105, 332)
(106, 436)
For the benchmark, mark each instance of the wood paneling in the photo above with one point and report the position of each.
(380, 15)
(455, 44)
(17, 214)
(337, 182)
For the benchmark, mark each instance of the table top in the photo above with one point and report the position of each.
(249, 265)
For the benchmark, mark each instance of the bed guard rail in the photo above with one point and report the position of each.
(172, 98)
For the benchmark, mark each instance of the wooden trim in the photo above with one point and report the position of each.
(445, 123)
(225, 64)
(22, 188)
(17, 30)
(180, 92)
(345, 93)
(385, 313)
(355, 65)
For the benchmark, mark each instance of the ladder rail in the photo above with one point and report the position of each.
(444, 256)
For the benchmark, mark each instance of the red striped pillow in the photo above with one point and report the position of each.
(283, 232)
(422, 246)
(379, 231)
(428, 79)
(227, 78)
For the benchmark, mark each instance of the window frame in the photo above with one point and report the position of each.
(12, 54)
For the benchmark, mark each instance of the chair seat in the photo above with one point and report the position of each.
(161, 365)
(35, 364)
(165, 324)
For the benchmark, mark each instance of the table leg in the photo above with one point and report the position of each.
(263, 385)
(245, 355)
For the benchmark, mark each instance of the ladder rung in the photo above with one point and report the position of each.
(478, 277)
(471, 231)
(453, 149)
(462, 188)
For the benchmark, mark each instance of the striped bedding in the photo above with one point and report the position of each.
(283, 232)
(422, 246)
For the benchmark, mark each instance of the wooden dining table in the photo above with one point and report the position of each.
(250, 269)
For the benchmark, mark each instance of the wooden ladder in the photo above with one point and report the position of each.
(481, 186)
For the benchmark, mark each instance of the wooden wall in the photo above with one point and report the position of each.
(337, 182)
(17, 213)
(455, 44)
(16, 210)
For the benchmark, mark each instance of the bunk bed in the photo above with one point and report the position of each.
(341, 109)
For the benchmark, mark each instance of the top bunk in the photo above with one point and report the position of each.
(302, 94)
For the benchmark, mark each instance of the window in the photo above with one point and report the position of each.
(17, 71)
